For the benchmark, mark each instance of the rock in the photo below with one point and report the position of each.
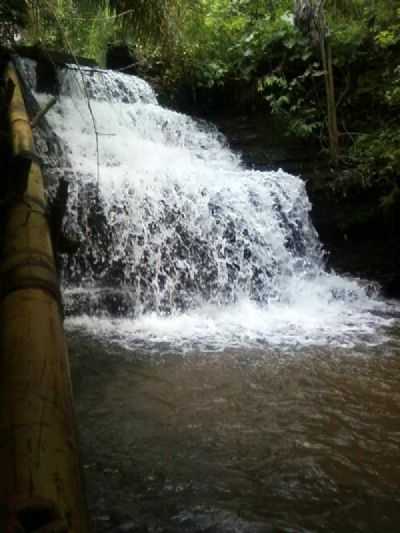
(129, 526)
(120, 57)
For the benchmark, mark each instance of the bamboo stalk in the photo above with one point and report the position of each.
(40, 481)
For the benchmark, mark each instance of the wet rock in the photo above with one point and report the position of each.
(103, 518)
(121, 57)
(131, 526)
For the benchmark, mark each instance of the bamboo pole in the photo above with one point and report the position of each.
(40, 479)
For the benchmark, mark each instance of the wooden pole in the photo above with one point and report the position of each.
(40, 479)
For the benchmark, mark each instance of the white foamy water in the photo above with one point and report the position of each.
(180, 244)
(311, 316)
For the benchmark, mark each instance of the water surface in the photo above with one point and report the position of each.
(240, 440)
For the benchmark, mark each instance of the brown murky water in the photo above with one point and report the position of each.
(239, 441)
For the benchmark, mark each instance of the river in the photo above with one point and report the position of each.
(244, 440)
(224, 379)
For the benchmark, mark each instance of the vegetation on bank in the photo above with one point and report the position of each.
(329, 68)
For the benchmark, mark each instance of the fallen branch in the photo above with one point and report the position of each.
(43, 111)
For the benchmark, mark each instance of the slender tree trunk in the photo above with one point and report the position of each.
(34, 14)
(332, 98)
(327, 65)
(310, 18)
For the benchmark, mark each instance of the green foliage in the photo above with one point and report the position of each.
(87, 26)
(389, 35)
(392, 90)
(224, 39)
(378, 155)
(377, 158)
(287, 100)
(67, 25)
(12, 18)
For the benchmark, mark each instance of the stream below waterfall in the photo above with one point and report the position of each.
(224, 380)
(245, 440)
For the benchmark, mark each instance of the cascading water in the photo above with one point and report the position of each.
(178, 241)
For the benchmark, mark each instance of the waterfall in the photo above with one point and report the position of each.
(170, 222)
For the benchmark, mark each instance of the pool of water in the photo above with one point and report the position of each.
(252, 439)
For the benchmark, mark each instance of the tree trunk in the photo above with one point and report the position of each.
(332, 99)
(326, 58)
(310, 18)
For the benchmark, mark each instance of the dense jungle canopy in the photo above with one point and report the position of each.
(329, 69)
